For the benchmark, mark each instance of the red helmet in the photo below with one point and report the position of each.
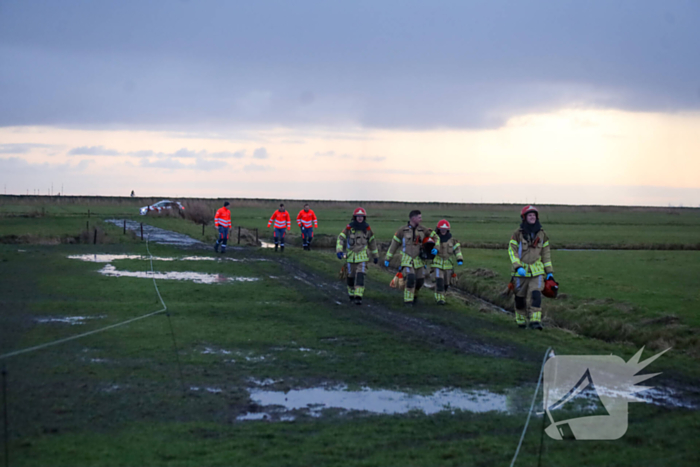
(551, 288)
(359, 212)
(527, 209)
(443, 224)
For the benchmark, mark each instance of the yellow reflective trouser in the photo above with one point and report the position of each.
(442, 282)
(356, 279)
(528, 298)
(414, 281)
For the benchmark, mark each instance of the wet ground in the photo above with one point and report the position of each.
(157, 235)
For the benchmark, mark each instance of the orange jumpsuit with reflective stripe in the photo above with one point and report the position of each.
(307, 219)
(222, 218)
(281, 220)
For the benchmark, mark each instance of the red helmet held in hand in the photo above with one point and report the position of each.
(551, 288)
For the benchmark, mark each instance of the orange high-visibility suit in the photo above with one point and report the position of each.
(281, 222)
(307, 221)
(222, 221)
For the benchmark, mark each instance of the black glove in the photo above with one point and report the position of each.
(376, 260)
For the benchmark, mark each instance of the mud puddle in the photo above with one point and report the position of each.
(196, 277)
(72, 320)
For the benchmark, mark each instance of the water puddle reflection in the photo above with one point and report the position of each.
(314, 401)
(196, 277)
(72, 320)
(107, 258)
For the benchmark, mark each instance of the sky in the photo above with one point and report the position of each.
(553, 102)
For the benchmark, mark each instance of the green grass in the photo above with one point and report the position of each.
(64, 408)
(475, 225)
(63, 413)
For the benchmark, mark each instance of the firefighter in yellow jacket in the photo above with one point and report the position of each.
(449, 252)
(531, 263)
(358, 240)
(409, 239)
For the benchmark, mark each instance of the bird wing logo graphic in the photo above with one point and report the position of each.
(599, 386)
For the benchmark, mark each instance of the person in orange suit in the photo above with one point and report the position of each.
(307, 221)
(222, 221)
(281, 221)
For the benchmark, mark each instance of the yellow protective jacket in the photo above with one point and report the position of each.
(409, 241)
(358, 243)
(449, 252)
(531, 254)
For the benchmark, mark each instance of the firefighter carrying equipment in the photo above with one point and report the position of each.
(409, 241)
(281, 220)
(358, 240)
(222, 218)
(551, 288)
(307, 219)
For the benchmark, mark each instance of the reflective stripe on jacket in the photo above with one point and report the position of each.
(222, 218)
(281, 220)
(410, 241)
(359, 243)
(448, 253)
(306, 219)
(532, 254)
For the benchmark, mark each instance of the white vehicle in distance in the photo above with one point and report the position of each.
(161, 206)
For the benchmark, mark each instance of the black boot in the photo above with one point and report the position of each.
(282, 249)
(358, 300)
(216, 247)
(536, 325)
(276, 246)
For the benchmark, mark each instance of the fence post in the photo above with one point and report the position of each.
(88, 213)
(142, 231)
(6, 430)
(239, 234)
(124, 226)
(202, 230)
(94, 240)
(256, 237)
(87, 226)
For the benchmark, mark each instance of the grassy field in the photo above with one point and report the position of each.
(475, 225)
(119, 398)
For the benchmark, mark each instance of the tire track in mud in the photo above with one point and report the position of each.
(420, 328)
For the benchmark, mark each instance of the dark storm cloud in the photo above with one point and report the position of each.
(390, 64)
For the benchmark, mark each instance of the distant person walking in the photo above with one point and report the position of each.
(356, 242)
(409, 240)
(531, 260)
(443, 265)
(222, 221)
(307, 221)
(281, 221)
